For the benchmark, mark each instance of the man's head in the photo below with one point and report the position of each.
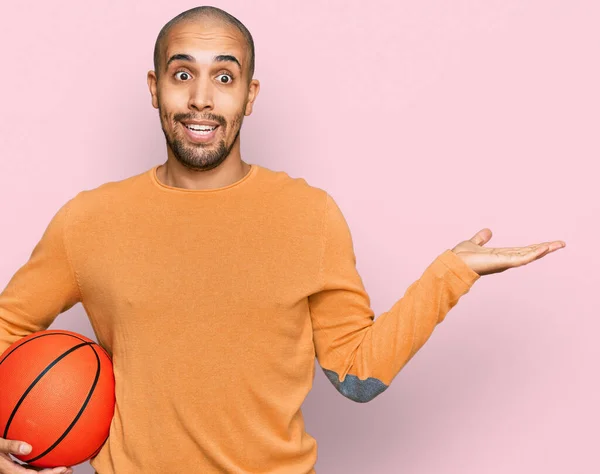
(204, 63)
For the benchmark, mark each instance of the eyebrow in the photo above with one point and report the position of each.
(219, 58)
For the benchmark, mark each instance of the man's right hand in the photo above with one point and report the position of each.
(8, 466)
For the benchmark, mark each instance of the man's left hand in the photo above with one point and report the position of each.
(485, 261)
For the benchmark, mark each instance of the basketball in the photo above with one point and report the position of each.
(57, 393)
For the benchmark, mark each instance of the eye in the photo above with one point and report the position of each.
(184, 72)
(226, 74)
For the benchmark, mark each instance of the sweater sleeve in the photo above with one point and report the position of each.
(359, 354)
(40, 289)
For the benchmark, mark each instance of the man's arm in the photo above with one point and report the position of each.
(42, 288)
(359, 354)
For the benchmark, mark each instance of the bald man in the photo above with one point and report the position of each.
(214, 283)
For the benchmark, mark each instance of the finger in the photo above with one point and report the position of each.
(535, 248)
(482, 237)
(56, 470)
(552, 245)
(516, 250)
(11, 446)
(549, 247)
(532, 251)
(535, 254)
(14, 467)
(523, 256)
(7, 464)
(26, 469)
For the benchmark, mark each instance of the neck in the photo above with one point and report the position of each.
(173, 173)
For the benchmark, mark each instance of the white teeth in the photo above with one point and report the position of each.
(201, 128)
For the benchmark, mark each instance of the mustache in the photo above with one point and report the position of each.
(215, 118)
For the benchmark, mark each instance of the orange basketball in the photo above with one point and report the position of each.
(57, 393)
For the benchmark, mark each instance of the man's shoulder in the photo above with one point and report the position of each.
(109, 194)
(288, 184)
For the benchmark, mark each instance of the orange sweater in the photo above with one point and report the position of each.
(213, 305)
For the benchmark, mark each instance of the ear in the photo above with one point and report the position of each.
(254, 87)
(152, 85)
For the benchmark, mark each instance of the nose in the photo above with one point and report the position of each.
(201, 94)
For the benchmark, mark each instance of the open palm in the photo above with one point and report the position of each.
(485, 261)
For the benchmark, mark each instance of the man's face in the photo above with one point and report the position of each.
(201, 88)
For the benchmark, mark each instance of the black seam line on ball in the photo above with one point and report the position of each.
(85, 403)
(37, 379)
(97, 450)
(80, 411)
(95, 453)
(37, 337)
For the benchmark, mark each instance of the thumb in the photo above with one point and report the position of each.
(482, 237)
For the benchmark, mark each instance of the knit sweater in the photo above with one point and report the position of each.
(213, 305)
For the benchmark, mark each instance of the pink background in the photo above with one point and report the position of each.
(426, 121)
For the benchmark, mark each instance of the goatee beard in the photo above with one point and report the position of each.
(202, 157)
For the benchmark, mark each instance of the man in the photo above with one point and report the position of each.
(214, 283)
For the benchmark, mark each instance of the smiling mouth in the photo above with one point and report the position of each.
(200, 130)
(200, 134)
